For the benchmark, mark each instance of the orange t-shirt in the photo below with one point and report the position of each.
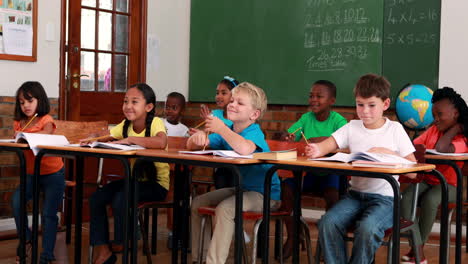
(49, 164)
(429, 138)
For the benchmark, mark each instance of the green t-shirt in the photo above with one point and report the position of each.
(314, 128)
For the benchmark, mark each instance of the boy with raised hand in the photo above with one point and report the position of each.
(369, 203)
(247, 104)
(317, 125)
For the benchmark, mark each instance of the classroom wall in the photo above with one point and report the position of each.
(168, 46)
(46, 68)
(453, 63)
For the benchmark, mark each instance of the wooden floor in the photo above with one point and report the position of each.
(64, 253)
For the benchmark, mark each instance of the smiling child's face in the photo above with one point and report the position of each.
(134, 106)
(320, 99)
(445, 114)
(223, 95)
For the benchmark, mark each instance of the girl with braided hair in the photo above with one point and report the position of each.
(142, 128)
(448, 134)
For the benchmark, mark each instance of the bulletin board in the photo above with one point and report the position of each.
(18, 30)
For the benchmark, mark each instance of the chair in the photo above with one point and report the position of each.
(74, 131)
(144, 207)
(209, 212)
(406, 226)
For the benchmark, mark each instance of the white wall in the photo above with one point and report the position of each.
(453, 65)
(46, 68)
(168, 49)
(168, 46)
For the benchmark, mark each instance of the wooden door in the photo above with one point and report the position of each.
(103, 52)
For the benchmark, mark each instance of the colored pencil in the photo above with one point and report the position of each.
(207, 133)
(295, 131)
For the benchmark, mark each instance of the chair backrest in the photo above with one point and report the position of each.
(76, 130)
(276, 145)
(177, 142)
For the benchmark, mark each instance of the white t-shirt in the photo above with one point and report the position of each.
(357, 137)
(179, 130)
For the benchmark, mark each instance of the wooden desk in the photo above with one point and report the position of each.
(451, 161)
(181, 193)
(18, 148)
(303, 164)
(79, 153)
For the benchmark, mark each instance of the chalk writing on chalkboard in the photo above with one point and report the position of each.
(338, 34)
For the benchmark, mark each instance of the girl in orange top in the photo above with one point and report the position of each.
(31, 99)
(448, 134)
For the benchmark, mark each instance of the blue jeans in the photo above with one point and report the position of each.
(113, 193)
(371, 214)
(53, 186)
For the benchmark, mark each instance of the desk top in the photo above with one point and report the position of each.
(90, 150)
(174, 154)
(303, 161)
(446, 157)
(14, 144)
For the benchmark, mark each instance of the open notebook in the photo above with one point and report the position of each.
(369, 159)
(107, 145)
(222, 153)
(435, 152)
(35, 139)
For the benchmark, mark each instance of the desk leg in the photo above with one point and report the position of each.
(35, 198)
(130, 218)
(23, 214)
(444, 216)
(396, 219)
(266, 212)
(79, 207)
(178, 190)
(458, 220)
(297, 215)
(239, 235)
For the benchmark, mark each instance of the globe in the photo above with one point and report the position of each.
(414, 107)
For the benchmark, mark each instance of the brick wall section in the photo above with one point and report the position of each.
(9, 170)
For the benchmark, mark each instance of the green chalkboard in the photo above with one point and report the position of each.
(284, 46)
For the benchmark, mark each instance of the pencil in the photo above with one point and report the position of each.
(295, 131)
(27, 124)
(199, 125)
(207, 133)
(302, 133)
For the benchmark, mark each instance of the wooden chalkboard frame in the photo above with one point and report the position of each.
(33, 57)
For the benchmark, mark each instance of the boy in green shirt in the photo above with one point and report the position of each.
(317, 125)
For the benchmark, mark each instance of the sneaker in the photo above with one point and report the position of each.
(413, 261)
(246, 238)
(408, 256)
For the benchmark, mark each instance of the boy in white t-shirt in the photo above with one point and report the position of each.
(369, 202)
(173, 111)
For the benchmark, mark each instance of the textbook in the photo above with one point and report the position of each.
(35, 139)
(369, 159)
(107, 145)
(221, 153)
(276, 155)
(435, 152)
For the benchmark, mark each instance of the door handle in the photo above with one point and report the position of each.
(76, 75)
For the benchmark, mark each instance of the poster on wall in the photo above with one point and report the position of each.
(18, 30)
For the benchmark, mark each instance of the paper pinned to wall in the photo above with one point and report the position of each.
(152, 52)
(17, 39)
